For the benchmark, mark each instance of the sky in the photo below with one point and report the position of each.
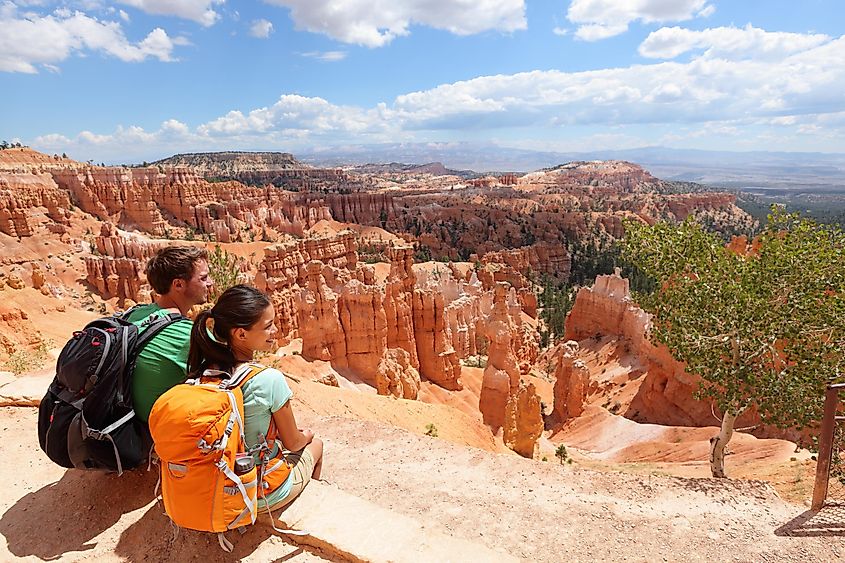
(137, 80)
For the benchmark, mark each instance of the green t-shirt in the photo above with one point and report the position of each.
(162, 363)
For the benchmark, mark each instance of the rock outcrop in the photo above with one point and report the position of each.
(539, 259)
(663, 392)
(17, 332)
(572, 380)
(116, 264)
(505, 401)
(155, 201)
(388, 333)
(28, 199)
(523, 420)
(259, 169)
(438, 360)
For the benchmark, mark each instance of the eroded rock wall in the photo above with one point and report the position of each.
(664, 390)
(26, 199)
(506, 402)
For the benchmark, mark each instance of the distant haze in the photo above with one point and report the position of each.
(738, 170)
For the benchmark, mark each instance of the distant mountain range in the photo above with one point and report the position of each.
(435, 168)
(761, 172)
(813, 172)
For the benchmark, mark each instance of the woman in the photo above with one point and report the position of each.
(227, 336)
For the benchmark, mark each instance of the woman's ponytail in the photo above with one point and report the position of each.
(208, 347)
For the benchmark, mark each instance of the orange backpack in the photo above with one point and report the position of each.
(197, 427)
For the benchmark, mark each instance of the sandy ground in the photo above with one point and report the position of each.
(537, 511)
(547, 512)
(636, 492)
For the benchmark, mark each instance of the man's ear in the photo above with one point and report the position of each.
(178, 283)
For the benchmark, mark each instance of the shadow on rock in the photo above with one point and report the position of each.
(65, 516)
(154, 538)
(829, 521)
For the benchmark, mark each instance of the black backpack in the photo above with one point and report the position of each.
(86, 419)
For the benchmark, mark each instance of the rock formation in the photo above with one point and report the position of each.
(17, 332)
(27, 199)
(540, 258)
(572, 379)
(259, 169)
(387, 333)
(505, 401)
(501, 375)
(396, 375)
(144, 198)
(664, 391)
(438, 360)
(523, 420)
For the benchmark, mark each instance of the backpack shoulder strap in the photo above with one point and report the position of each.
(125, 314)
(243, 374)
(155, 324)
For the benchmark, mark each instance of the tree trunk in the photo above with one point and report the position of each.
(718, 443)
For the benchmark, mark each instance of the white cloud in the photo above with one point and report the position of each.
(292, 113)
(174, 127)
(708, 97)
(703, 89)
(375, 23)
(200, 11)
(599, 19)
(786, 120)
(326, 56)
(30, 40)
(727, 42)
(708, 11)
(261, 29)
(598, 31)
(123, 15)
(560, 31)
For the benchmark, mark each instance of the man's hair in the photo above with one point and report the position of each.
(172, 263)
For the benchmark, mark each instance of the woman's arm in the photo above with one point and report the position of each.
(292, 437)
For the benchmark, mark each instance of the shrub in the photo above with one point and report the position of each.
(561, 454)
(224, 269)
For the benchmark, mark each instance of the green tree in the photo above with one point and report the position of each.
(224, 268)
(561, 453)
(762, 329)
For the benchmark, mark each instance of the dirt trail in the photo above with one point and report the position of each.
(542, 511)
(538, 511)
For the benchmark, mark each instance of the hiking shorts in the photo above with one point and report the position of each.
(302, 468)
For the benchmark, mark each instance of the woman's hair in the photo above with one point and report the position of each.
(240, 306)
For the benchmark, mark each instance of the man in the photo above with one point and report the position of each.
(179, 276)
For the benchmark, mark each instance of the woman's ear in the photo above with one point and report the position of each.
(239, 333)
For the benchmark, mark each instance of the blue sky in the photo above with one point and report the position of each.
(142, 79)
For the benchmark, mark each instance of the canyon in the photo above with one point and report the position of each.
(406, 297)
(386, 326)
